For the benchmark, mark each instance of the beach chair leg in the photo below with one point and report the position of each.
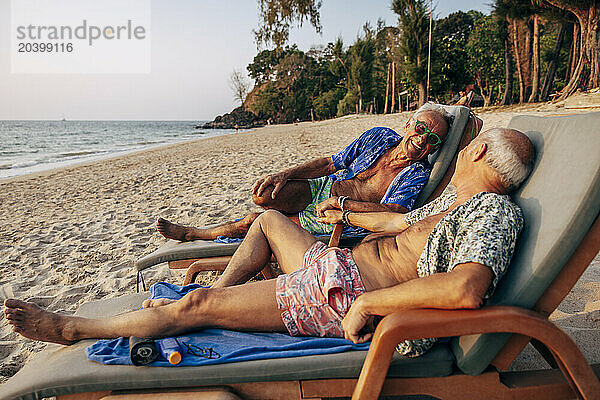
(205, 264)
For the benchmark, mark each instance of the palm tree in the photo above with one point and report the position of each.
(502, 13)
(413, 22)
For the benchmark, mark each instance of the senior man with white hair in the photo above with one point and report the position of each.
(379, 171)
(448, 255)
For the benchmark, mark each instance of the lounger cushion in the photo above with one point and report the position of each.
(441, 159)
(560, 201)
(60, 370)
(174, 250)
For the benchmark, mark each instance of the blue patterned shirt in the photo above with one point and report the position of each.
(365, 150)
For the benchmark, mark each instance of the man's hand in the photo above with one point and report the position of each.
(357, 324)
(331, 203)
(331, 217)
(277, 180)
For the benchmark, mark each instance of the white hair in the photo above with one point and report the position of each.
(438, 109)
(510, 154)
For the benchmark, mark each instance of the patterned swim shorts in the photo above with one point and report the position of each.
(320, 190)
(316, 298)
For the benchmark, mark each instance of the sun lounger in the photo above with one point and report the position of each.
(207, 255)
(561, 203)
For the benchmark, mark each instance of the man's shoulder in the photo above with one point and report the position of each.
(384, 131)
(500, 204)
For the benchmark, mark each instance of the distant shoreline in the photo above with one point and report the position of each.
(54, 168)
(20, 162)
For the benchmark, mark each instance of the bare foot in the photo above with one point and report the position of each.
(33, 322)
(148, 303)
(174, 231)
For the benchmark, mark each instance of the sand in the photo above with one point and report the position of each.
(71, 235)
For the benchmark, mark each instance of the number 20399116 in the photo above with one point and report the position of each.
(44, 47)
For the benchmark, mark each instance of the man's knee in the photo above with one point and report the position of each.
(265, 199)
(270, 217)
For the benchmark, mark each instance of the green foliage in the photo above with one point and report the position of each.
(334, 80)
(326, 104)
(262, 67)
(361, 57)
(348, 104)
(329, 80)
(277, 17)
(267, 100)
(413, 22)
(450, 58)
(486, 54)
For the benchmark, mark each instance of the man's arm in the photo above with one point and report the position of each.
(381, 222)
(464, 287)
(311, 169)
(332, 203)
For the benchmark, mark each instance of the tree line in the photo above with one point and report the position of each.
(523, 51)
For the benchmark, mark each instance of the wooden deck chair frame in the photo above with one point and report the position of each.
(196, 266)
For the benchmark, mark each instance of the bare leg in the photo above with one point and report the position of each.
(234, 307)
(271, 234)
(234, 229)
(291, 199)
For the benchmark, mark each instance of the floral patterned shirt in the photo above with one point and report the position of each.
(483, 230)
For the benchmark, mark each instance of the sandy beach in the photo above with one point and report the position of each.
(71, 235)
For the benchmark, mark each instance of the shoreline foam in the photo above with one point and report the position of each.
(128, 141)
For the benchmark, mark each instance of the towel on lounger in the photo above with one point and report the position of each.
(216, 346)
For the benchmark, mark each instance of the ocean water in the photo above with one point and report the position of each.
(33, 146)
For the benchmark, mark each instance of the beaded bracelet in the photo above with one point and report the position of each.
(341, 201)
(345, 219)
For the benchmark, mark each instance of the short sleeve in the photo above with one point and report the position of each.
(407, 185)
(488, 236)
(364, 142)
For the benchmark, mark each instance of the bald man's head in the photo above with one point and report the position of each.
(510, 154)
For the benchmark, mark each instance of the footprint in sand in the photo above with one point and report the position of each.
(9, 347)
(42, 301)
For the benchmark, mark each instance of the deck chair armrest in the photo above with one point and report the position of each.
(415, 324)
(336, 235)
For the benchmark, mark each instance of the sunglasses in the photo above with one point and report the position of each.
(422, 129)
(204, 352)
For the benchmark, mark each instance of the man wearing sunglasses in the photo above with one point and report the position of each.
(381, 170)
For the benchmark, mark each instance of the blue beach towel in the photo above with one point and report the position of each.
(217, 346)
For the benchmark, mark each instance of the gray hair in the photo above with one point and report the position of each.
(438, 109)
(510, 154)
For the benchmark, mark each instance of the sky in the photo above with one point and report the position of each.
(195, 45)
